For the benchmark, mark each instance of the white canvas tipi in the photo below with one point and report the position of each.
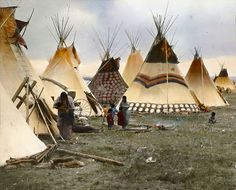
(16, 137)
(134, 62)
(14, 67)
(62, 72)
(159, 86)
(200, 82)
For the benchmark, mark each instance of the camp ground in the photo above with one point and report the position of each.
(174, 127)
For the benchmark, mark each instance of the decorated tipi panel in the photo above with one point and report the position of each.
(203, 86)
(159, 86)
(223, 81)
(14, 67)
(160, 92)
(16, 137)
(107, 85)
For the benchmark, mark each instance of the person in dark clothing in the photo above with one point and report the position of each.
(65, 106)
(110, 120)
(212, 119)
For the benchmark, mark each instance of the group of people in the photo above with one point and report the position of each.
(122, 114)
(65, 119)
(65, 105)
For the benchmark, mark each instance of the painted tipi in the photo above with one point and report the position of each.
(107, 85)
(159, 85)
(200, 82)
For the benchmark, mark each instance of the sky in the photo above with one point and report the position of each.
(206, 24)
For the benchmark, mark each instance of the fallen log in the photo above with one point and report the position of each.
(98, 158)
(19, 161)
(61, 160)
(72, 164)
(137, 129)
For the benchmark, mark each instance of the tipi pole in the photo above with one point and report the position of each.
(12, 12)
(203, 101)
(167, 77)
(27, 102)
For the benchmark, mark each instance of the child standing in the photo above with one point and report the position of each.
(110, 120)
(121, 118)
(105, 112)
(113, 110)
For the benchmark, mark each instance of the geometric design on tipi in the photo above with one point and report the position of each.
(15, 66)
(107, 85)
(223, 81)
(200, 82)
(159, 86)
(63, 68)
(16, 137)
(134, 61)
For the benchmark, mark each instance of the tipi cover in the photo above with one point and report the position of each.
(200, 82)
(107, 85)
(159, 86)
(16, 137)
(63, 69)
(14, 67)
(223, 80)
(134, 62)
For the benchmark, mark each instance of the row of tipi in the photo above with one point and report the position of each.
(152, 85)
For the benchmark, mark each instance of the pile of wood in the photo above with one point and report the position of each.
(34, 159)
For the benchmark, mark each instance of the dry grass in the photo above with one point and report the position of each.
(194, 155)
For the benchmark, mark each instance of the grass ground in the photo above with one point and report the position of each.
(194, 155)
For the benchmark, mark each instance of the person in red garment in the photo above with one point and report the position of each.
(121, 118)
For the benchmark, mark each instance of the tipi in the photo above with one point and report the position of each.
(14, 67)
(159, 85)
(200, 82)
(223, 81)
(134, 62)
(16, 137)
(62, 71)
(107, 85)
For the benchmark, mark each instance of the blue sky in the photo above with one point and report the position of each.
(207, 24)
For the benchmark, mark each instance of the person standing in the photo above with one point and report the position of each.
(65, 118)
(125, 107)
(110, 120)
(113, 110)
(121, 118)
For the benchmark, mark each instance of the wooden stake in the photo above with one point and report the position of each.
(44, 119)
(98, 158)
